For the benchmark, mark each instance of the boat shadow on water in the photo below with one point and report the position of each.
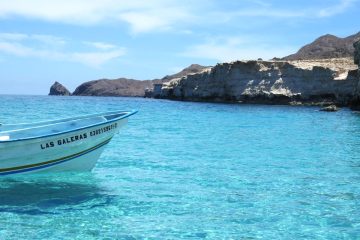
(36, 197)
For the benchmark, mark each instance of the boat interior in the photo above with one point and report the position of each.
(10, 132)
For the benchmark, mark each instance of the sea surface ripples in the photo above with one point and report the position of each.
(182, 170)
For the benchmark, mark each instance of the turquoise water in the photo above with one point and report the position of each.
(182, 170)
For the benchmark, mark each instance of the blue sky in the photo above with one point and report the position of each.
(73, 41)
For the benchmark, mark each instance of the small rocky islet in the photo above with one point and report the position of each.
(57, 89)
(324, 73)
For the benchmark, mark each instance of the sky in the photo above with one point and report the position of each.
(73, 41)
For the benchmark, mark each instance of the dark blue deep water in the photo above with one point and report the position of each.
(182, 170)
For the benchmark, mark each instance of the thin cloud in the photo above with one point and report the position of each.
(73, 12)
(272, 13)
(144, 22)
(13, 36)
(143, 16)
(16, 49)
(22, 45)
(96, 59)
(101, 45)
(232, 48)
(43, 38)
(48, 39)
(156, 20)
(269, 11)
(339, 8)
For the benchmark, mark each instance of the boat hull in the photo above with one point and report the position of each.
(77, 150)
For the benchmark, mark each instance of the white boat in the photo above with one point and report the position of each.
(71, 144)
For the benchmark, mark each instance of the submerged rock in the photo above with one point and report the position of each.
(331, 108)
(295, 103)
(57, 89)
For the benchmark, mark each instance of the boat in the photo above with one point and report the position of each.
(70, 144)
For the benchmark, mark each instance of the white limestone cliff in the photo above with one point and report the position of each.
(274, 82)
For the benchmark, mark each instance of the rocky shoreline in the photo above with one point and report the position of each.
(308, 77)
(312, 81)
(323, 82)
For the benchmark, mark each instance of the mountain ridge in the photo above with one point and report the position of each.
(326, 46)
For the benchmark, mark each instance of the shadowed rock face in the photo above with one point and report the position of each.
(356, 100)
(58, 89)
(271, 82)
(327, 46)
(357, 53)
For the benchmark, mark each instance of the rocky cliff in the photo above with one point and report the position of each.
(59, 90)
(355, 104)
(275, 82)
(327, 46)
(319, 73)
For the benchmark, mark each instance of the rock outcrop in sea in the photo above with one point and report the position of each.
(271, 82)
(331, 108)
(57, 89)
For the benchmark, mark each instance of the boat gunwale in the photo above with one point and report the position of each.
(54, 122)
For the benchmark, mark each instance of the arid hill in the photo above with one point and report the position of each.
(327, 46)
(122, 86)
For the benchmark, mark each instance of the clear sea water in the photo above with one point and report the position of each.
(182, 170)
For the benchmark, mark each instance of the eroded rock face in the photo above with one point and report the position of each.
(357, 52)
(57, 89)
(272, 82)
(355, 104)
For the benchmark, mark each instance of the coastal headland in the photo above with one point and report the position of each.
(323, 72)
